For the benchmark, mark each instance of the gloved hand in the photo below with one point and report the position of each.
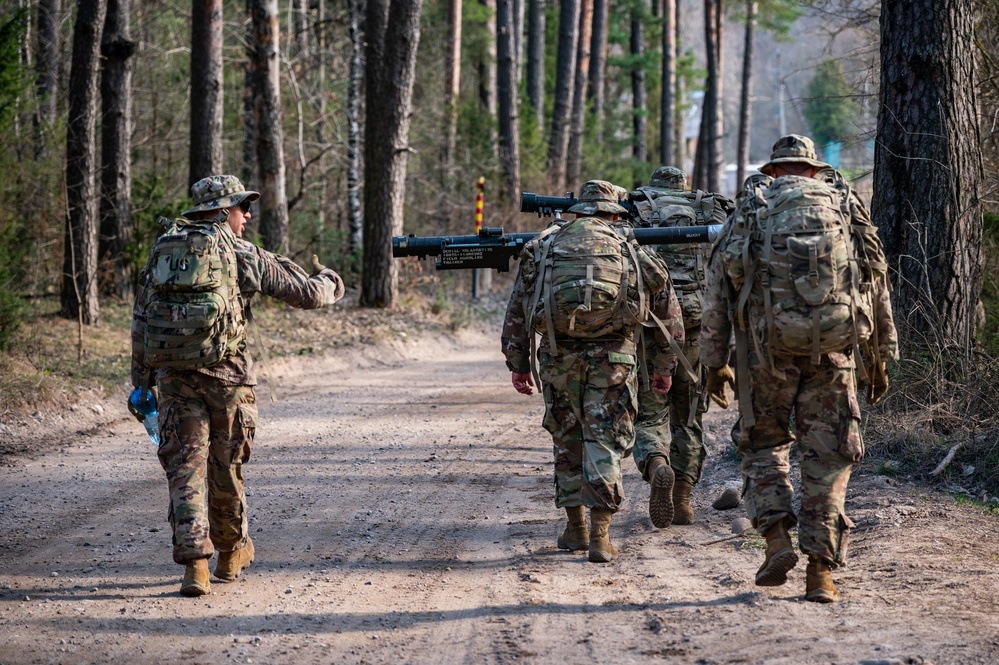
(717, 378)
(133, 410)
(877, 385)
(317, 267)
(661, 383)
(319, 270)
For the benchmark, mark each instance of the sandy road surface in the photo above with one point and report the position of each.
(401, 506)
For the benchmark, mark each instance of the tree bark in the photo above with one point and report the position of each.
(506, 77)
(712, 98)
(745, 102)
(47, 64)
(300, 26)
(578, 125)
(595, 93)
(206, 89)
(487, 62)
(117, 49)
(667, 111)
(79, 284)
(452, 90)
(558, 140)
(928, 169)
(536, 59)
(355, 85)
(639, 120)
(679, 127)
(390, 68)
(267, 116)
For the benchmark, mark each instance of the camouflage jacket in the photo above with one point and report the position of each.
(720, 296)
(516, 337)
(260, 271)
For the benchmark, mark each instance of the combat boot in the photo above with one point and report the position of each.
(601, 549)
(682, 512)
(230, 564)
(574, 536)
(661, 479)
(780, 557)
(196, 582)
(819, 587)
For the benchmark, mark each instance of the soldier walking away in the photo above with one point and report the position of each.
(588, 291)
(189, 344)
(799, 275)
(669, 437)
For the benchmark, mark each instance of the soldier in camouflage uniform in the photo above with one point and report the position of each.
(590, 390)
(820, 390)
(208, 416)
(669, 440)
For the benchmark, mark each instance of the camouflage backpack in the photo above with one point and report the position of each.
(194, 315)
(587, 281)
(686, 262)
(800, 266)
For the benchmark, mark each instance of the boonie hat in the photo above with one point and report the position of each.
(219, 191)
(793, 148)
(598, 195)
(669, 177)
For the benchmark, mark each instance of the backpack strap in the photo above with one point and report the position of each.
(652, 196)
(539, 248)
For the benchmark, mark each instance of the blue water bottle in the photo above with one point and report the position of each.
(147, 407)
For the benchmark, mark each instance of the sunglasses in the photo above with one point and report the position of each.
(244, 205)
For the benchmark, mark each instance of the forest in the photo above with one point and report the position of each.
(360, 120)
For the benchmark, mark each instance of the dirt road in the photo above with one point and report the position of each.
(401, 506)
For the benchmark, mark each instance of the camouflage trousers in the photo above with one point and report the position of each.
(664, 426)
(206, 430)
(827, 428)
(590, 406)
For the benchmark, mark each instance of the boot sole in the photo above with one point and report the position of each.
(225, 578)
(600, 556)
(661, 497)
(573, 546)
(821, 596)
(776, 573)
(195, 590)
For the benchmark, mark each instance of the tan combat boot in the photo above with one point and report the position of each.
(232, 563)
(601, 549)
(661, 479)
(574, 537)
(780, 557)
(196, 582)
(819, 587)
(682, 512)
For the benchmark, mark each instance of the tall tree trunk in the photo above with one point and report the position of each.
(267, 114)
(667, 111)
(598, 65)
(518, 39)
(639, 120)
(300, 26)
(745, 103)
(355, 85)
(578, 125)
(487, 62)
(679, 126)
(711, 137)
(506, 76)
(391, 68)
(47, 64)
(453, 89)
(79, 279)
(928, 168)
(558, 140)
(206, 89)
(536, 59)
(117, 49)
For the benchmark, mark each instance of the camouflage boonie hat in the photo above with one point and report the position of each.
(219, 191)
(793, 148)
(598, 195)
(669, 177)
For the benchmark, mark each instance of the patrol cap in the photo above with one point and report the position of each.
(793, 148)
(598, 195)
(219, 191)
(669, 177)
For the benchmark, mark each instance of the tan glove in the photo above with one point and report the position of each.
(717, 378)
(317, 267)
(319, 270)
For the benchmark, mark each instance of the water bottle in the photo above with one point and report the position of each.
(147, 407)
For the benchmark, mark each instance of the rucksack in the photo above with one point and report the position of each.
(800, 266)
(686, 262)
(194, 314)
